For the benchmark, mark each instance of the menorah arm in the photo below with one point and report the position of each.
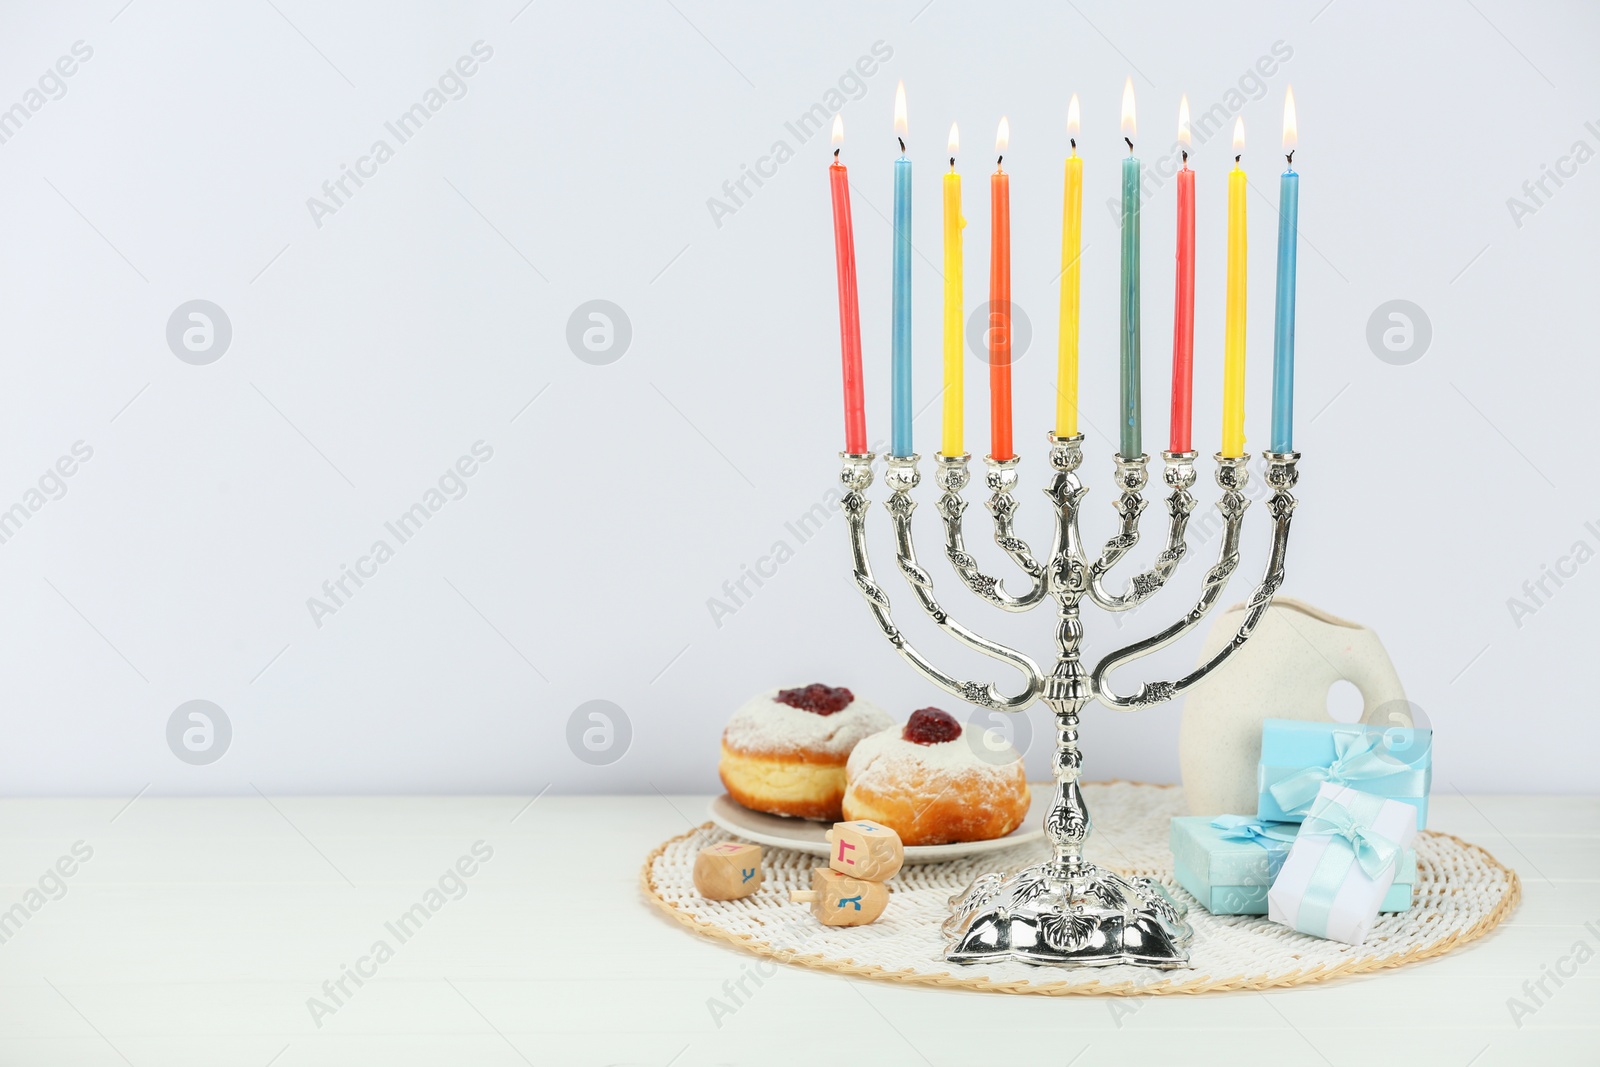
(1131, 477)
(902, 478)
(1001, 479)
(1232, 475)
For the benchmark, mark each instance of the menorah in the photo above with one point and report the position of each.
(1065, 910)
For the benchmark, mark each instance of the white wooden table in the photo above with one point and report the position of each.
(198, 931)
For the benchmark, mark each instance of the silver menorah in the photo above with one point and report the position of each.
(1065, 910)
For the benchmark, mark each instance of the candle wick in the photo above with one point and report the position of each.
(999, 160)
(1236, 159)
(1130, 144)
(952, 162)
(836, 155)
(902, 141)
(1290, 157)
(1186, 157)
(1074, 142)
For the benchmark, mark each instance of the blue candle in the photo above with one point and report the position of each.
(1283, 332)
(900, 382)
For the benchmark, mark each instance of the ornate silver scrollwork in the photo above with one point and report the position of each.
(1233, 475)
(1002, 478)
(902, 476)
(1066, 910)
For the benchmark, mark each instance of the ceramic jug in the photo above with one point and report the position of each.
(1283, 672)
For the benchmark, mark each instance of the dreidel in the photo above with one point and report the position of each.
(840, 900)
(728, 870)
(865, 849)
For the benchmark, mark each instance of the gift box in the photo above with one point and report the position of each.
(1228, 863)
(1297, 758)
(1342, 864)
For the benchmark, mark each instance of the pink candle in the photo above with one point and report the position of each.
(1183, 313)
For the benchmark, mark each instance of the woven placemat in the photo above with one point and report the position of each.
(1461, 894)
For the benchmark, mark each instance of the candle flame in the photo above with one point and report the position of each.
(955, 139)
(900, 111)
(1183, 121)
(838, 130)
(1129, 125)
(1072, 117)
(1291, 133)
(1002, 136)
(1238, 135)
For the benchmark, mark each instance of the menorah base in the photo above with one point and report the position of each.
(1044, 915)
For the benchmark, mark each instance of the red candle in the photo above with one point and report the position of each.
(1000, 304)
(844, 246)
(1183, 314)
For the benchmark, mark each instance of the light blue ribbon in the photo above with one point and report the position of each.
(1373, 851)
(1356, 758)
(1245, 828)
(1276, 838)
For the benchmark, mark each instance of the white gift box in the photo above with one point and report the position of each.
(1324, 889)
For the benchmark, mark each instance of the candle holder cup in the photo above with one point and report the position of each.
(1065, 910)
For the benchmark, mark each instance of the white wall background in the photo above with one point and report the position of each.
(429, 312)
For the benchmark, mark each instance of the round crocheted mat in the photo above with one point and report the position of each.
(1461, 894)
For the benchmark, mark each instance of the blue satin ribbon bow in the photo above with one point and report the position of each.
(1275, 838)
(1244, 828)
(1356, 758)
(1373, 851)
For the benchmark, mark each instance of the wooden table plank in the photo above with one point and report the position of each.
(199, 929)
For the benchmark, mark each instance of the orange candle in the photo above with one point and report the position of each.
(1000, 303)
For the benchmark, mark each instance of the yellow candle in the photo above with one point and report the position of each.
(1233, 334)
(1071, 252)
(954, 394)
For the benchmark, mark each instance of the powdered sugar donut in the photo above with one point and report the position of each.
(784, 752)
(928, 784)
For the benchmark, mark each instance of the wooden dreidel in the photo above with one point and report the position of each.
(840, 900)
(728, 871)
(864, 849)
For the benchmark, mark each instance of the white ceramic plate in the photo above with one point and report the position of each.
(803, 835)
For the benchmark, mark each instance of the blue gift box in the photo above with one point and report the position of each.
(1298, 757)
(1229, 868)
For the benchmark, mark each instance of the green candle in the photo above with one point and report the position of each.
(1129, 332)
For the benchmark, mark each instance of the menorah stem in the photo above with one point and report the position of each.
(1066, 909)
(1068, 690)
(1067, 693)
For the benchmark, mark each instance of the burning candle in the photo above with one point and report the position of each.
(1183, 312)
(1071, 290)
(1233, 323)
(844, 247)
(954, 386)
(1000, 302)
(1288, 250)
(900, 341)
(1129, 333)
